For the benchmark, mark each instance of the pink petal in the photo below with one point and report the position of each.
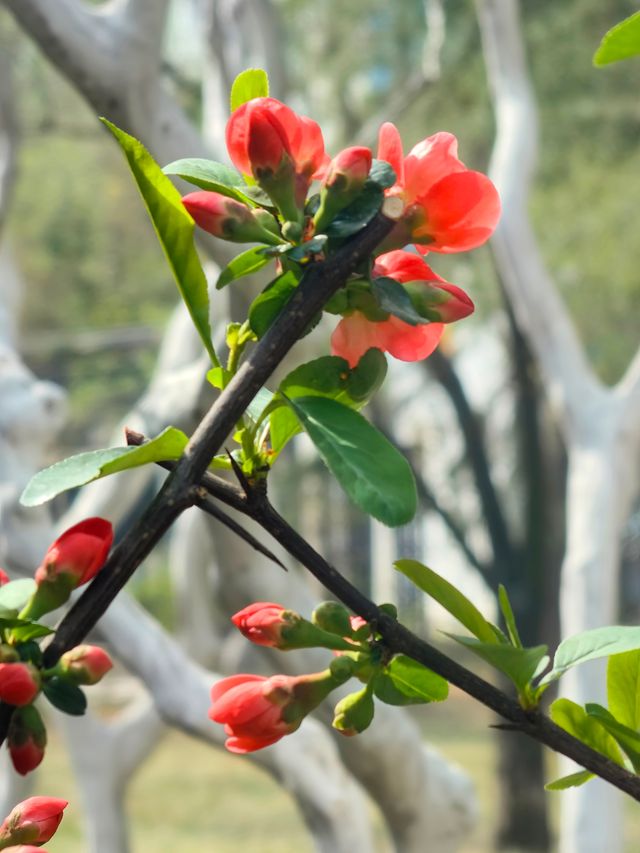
(390, 150)
(353, 336)
(409, 343)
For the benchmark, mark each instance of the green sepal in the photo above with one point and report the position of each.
(65, 696)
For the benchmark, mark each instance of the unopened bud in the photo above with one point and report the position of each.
(33, 820)
(226, 218)
(354, 713)
(84, 664)
(343, 183)
(27, 739)
(19, 683)
(333, 617)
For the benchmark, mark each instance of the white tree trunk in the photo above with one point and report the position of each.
(600, 426)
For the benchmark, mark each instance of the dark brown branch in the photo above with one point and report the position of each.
(400, 640)
(317, 285)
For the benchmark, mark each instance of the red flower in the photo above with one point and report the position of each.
(85, 664)
(448, 208)
(19, 683)
(264, 136)
(251, 708)
(434, 298)
(349, 169)
(261, 622)
(33, 821)
(4, 577)
(227, 218)
(258, 711)
(78, 553)
(26, 739)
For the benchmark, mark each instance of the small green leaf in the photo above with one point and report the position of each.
(573, 780)
(244, 264)
(314, 246)
(31, 631)
(266, 307)
(371, 471)
(259, 403)
(174, 227)
(219, 377)
(283, 425)
(509, 618)
(575, 720)
(449, 597)
(592, 644)
(620, 42)
(331, 376)
(249, 84)
(382, 174)
(406, 682)
(77, 470)
(623, 688)
(392, 297)
(65, 696)
(518, 664)
(627, 739)
(213, 177)
(14, 595)
(361, 211)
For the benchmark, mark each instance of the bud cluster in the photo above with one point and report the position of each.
(72, 560)
(257, 711)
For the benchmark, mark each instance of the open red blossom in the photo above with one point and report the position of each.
(261, 622)
(448, 208)
(435, 298)
(33, 821)
(263, 132)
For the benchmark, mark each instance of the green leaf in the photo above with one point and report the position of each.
(620, 42)
(249, 84)
(174, 227)
(575, 720)
(509, 618)
(314, 246)
(31, 631)
(623, 688)
(518, 664)
(361, 211)
(259, 403)
(65, 696)
(266, 307)
(573, 780)
(368, 467)
(14, 595)
(392, 297)
(219, 377)
(627, 739)
(331, 376)
(212, 176)
(77, 470)
(449, 597)
(244, 264)
(592, 644)
(283, 425)
(406, 682)
(382, 174)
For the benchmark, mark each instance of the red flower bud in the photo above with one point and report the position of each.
(79, 552)
(226, 218)
(85, 664)
(349, 169)
(261, 622)
(32, 821)
(27, 739)
(4, 577)
(72, 560)
(258, 711)
(19, 683)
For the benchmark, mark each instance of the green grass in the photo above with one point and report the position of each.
(189, 797)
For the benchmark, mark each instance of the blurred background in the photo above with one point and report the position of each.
(525, 457)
